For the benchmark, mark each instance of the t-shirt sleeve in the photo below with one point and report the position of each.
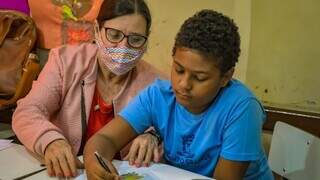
(138, 112)
(242, 133)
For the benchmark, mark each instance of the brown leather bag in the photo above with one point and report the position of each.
(17, 67)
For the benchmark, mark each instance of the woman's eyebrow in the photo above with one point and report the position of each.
(134, 33)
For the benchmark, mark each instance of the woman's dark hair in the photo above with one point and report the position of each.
(115, 8)
(213, 35)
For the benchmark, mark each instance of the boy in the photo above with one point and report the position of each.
(209, 123)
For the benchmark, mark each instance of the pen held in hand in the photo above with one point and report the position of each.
(102, 162)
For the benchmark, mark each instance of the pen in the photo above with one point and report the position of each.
(102, 162)
(29, 174)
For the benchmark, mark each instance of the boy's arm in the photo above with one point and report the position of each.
(232, 170)
(241, 141)
(107, 141)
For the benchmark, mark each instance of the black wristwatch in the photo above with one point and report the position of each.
(155, 134)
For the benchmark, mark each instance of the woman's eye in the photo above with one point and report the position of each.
(135, 39)
(116, 35)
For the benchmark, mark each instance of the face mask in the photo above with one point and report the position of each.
(118, 60)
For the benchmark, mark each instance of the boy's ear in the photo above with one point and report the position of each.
(227, 77)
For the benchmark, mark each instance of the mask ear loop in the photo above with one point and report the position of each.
(98, 39)
(97, 35)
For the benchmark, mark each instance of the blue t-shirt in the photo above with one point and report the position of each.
(230, 127)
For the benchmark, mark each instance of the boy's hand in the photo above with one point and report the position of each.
(95, 171)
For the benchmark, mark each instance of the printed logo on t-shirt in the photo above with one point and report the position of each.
(186, 142)
(185, 155)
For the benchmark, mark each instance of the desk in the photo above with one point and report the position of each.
(16, 161)
(19, 162)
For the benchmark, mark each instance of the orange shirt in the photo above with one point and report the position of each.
(53, 30)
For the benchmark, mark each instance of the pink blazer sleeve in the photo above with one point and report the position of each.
(32, 118)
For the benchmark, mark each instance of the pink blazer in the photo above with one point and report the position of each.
(52, 109)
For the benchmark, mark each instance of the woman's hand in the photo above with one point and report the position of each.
(59, 159)
(94, 170)
(144, 148)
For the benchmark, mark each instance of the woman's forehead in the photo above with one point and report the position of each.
(133, 23)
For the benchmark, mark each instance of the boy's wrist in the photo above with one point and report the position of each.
(155, 134)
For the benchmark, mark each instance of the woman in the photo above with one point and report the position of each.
(83, 86)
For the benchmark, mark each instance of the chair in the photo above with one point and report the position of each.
(266, 141)
(294, 154)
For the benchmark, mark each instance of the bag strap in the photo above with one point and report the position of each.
(7, 17)
(5, 24)
(30, 72)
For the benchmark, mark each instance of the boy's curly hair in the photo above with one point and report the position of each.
(213, 35)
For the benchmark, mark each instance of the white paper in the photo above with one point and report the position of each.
(154, 172)
(4, 144)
